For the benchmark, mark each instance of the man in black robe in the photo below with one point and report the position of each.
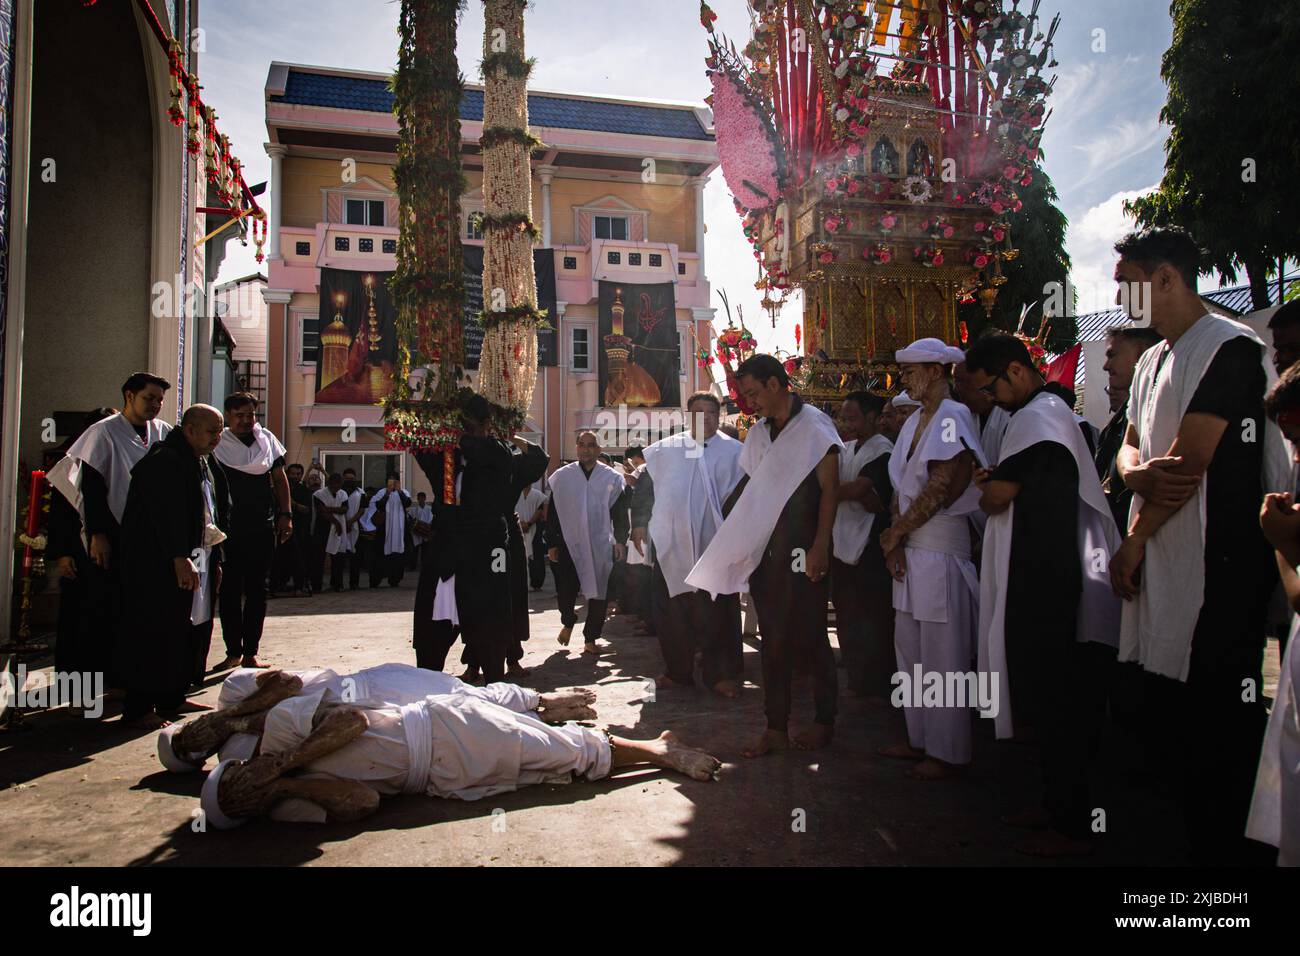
(527, 464)
(178, 491)
(470, 542)
(292, 556)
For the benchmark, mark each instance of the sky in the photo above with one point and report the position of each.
(1103, 142)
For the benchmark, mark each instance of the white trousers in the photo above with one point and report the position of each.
(942, 732)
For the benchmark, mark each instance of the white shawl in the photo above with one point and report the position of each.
(909, 470)
(738, 546)
(336, 542)
(1158, 624)
(1275, 807)
(394, 519)
(853, 522)
(584, 504)
(1046, 418)
(112, 447)
(995, 426)
(254, 459)
(691, 481)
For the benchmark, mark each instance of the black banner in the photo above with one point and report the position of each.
(358, 338)
(544, 271)
(639, 351)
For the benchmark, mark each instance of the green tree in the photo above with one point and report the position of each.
(1038, 231)
(1234, 141)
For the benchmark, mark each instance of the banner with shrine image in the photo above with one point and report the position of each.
(358, 339)
(639, 349)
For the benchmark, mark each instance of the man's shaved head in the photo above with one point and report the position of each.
(202, 425)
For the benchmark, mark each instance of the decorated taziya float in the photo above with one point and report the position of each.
(874, 151)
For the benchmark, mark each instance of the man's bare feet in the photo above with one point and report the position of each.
(1052, 844)
(590, 647)
(566, 712)
(931, 769)
(901, 752)
(230, 663)
(574, 697)
(814, 738)
(249, 661)
(565, 633)
(729, 689)
(515, 669)
(771, 740)
(672, 754)
(1031, 818)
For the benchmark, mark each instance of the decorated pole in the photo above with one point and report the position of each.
(508, 364)
(423, 409)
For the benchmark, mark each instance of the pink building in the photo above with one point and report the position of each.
(617, 194)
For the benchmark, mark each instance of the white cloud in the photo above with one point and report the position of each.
(1120, 143)
(1090, 241)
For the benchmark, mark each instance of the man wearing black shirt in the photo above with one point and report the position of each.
(292, 556)
(1197, 622)
(260, 516)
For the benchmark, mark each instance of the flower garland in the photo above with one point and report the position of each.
(746, 141)
(878, 254)
(916, 189)
(928, 256)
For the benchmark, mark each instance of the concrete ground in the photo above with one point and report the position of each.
(81, 792)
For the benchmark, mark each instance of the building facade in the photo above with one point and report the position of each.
(617, 195)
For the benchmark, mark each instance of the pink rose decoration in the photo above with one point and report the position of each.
(1009, 172)
(885, 256)
(744, 141)
(979, 226)
(853, 187)
(832, 185)
(1029, 178)
(1018, 206)
(853, 149)
(981, 261)
(831, 224)
(826, 258)
(888, 221)
(937, 260)
(997, 207)
(947, 232)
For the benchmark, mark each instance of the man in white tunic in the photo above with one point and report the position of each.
(1049, 621)
(927, 550)
(323, 756)
(676, 510)
(583, 534)
(1196, 573)
(95, 476)
(775, 543)
(531, 509)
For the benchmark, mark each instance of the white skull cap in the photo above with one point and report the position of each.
(930, 350)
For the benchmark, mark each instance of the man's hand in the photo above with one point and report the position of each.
(1279, 520)
(283, 528)
(638, 540)
(896, 563)
(981, 475)
(1157, 483)
(101, 552)
(1125, 565)
(187, 575)
(819, 562)
(67, 568)
(889, 541)
(620, 552)
(342, 529)
(553, 555)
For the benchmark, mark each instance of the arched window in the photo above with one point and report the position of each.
(884, 158)
(919, 161)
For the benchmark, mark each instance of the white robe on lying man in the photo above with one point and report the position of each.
(937, 602)
(1047, 419)
(582, 503)
(691, 481)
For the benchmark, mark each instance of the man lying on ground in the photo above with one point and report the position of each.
(322, 757)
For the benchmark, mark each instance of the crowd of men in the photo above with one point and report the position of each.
(984, 550)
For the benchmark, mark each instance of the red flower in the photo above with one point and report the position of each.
(937, 260)
(853, 187)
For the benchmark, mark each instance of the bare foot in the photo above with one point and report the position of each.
(230, 663)
(566, 712)
(515, 669)
(931, 769)
(1052, 844)
(727, 688)
(564, 635)
(251, 662)
(901, 752)
(814, 738)
(672, 754)
(148, 722)
(575, 697)
(770, 741)
(590, 647)
(1031, 818)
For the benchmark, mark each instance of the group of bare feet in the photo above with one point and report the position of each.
(153, 721)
